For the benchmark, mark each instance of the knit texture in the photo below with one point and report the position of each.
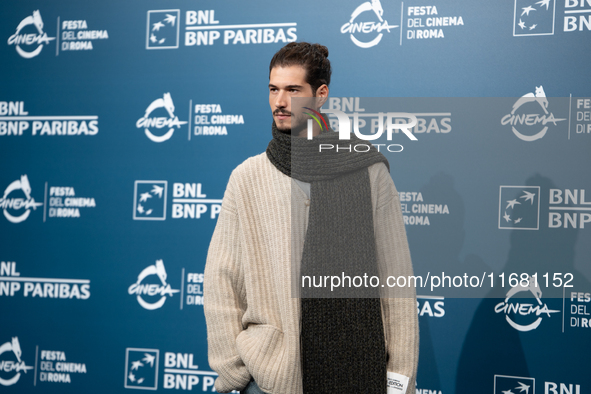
(252, 320)
(300, 157)
(342, 339)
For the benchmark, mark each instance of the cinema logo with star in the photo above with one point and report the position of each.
(29, 37)
(158, 117)
(151, 289)
(519, 207)
(530, 117)
(534, 18)
(367, 31)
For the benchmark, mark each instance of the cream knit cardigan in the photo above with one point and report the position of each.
(252, 320)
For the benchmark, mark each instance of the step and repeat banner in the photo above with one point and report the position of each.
(120, 123)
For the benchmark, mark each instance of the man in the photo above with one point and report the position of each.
(324, 213)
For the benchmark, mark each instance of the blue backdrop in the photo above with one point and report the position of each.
(120, 123)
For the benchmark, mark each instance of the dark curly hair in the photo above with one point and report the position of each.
(313, 57)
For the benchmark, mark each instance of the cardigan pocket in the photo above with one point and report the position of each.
(261, 347)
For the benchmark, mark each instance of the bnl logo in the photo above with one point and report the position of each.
(514, 385)
(561, 388)
(519, 207)
(141, 369)
(521, 385)
(534, 18)
(149, 200)
(163, 29)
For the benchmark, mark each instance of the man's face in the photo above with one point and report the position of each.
(285, 83)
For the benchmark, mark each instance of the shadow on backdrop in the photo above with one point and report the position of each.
(436, 248)
(494, 347)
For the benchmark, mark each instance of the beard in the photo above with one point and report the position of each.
(297, 123)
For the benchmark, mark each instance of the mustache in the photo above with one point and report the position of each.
(281, 111)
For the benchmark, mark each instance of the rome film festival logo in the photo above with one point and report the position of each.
(514, 385)
(9, 366)
(163, 29)
(533, 123)
(152, 289)
(141, 369)
(519, 207)
(19, 203)
(534, 18)
(509, 307)
(149, 200)
(28, 40)
(367, 28)
(160, 122)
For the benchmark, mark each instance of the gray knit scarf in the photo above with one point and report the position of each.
(342, 341)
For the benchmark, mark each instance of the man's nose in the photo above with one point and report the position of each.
(281, 100)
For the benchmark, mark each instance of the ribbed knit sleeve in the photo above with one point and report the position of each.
(400, 311)
(223, 298)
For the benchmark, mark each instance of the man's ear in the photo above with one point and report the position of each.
(321, 95)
